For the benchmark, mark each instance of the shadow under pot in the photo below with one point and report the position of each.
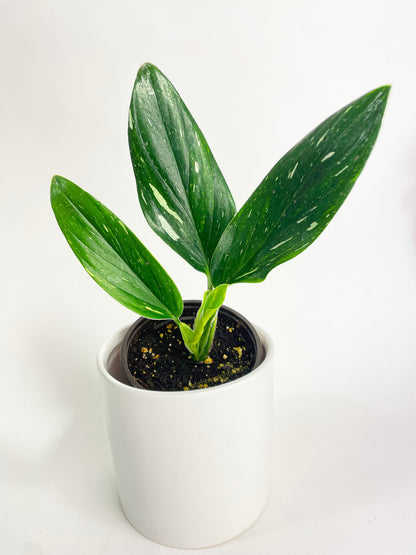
(153, 355)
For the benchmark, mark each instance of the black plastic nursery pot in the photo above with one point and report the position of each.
(154, 357)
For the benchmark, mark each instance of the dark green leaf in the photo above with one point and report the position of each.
(112, 254)
(182, 192)
(300, 195)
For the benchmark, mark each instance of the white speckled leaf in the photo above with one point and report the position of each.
(182, 192)
(112, 255)
(300, 195)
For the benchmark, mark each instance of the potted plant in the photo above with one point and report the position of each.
(188, 389)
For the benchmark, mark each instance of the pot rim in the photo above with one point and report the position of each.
(114, 341)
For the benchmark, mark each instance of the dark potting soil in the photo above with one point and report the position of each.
(158, 359)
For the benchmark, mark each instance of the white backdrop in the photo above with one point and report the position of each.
(257, 77)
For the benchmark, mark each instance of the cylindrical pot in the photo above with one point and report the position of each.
(193, 468)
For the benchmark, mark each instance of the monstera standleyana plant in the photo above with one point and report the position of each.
(187, 202)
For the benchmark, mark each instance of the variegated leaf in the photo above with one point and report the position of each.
(182, 192)
(300, 195)
(112, 255)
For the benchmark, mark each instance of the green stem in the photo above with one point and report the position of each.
(198, 340)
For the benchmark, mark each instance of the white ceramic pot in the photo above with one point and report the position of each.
(193, 468)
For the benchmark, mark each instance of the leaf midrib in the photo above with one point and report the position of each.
(189, 211)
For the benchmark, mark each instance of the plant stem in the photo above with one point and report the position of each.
(198, 340)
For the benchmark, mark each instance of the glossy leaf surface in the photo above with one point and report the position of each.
(112, 255)
(182, 192)
(300, 195)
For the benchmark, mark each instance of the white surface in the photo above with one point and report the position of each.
(257, 76)
(193, 469)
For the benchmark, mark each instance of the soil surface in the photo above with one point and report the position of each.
(158, 359)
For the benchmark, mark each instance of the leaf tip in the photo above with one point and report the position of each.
(55, 186)
(381, 93)
(145, 69)
(384, 90)
(58, 181)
